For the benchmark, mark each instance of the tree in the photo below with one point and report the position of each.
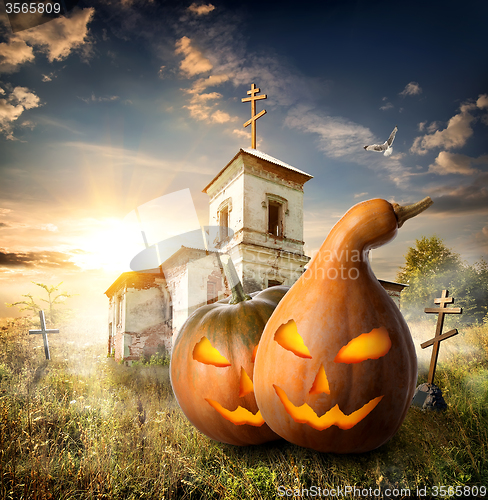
(429, 257)
(431, 267)
(53, 300)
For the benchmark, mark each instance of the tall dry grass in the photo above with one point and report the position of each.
(82, 426)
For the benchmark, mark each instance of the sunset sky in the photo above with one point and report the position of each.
(126, 101)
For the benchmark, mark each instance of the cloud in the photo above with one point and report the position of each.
(200, 106)
(482, 101)
(471, 198)
(201, 10)
(455, 135)
(449, 163)
(220, 117)
(412, 88)
(93, 98)
(120, 157)
(3, 224)
(337, 136)
(11, 108)
(194, 62)
(344, 139)
(25, 98)
(242, 133)
(432, 127)
(386, 106)
(41, 259)
(360, 195)
(13, 54)
(59, 37)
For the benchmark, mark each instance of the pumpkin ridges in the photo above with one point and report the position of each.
(329, 313)
(234, 330)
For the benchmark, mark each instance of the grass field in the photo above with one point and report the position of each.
(83, 426)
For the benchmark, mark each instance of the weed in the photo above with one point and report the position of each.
(82, 426)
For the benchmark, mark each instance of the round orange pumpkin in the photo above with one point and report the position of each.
(212, 366)
(336, 366)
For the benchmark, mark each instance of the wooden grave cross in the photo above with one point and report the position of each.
(44, 333)
(439, 336)
(254, 116)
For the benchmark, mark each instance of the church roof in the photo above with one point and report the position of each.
(134, 279)
(303, 176)
(271, 159)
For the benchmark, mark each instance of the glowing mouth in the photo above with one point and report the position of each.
(304, 414)
(239, 416)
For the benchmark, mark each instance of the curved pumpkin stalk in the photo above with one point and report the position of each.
(238, 294)
(409, 211)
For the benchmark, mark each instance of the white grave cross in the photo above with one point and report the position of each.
(44, 333)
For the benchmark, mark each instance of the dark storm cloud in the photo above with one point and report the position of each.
(471, 198)
(56, 260)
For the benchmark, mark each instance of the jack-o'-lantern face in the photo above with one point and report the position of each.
(371, 345)
(207, 354)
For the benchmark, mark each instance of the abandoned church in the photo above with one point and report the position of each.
(257, 203)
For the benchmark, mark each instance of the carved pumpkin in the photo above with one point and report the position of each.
(212, 365)
(336, 367)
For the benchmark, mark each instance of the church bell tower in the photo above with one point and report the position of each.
(260, 199)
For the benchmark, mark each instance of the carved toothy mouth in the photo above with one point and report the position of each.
(239, 416)
(304, 414)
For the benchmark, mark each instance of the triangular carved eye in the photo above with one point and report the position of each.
(206, 353)
(372, 345)
(288, 337)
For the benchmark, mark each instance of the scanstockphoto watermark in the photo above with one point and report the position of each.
(437, 491)
(344, 492)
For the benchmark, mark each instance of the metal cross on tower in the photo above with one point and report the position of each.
(44, 333)
(441, 310)
(254, 116)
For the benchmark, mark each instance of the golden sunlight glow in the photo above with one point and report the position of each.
(305, 415)
(239, 416)
(107, 244)
(204, 352)
(372, 345)
(245, 384)
(288, 338)
(320, 384)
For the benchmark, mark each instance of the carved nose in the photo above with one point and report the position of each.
(320, 384)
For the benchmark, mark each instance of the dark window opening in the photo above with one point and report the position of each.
(275, 221)
(224, 223)
(273, 283)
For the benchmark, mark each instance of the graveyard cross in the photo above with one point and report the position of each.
(441, 310)
(44, 333)
(254, 116)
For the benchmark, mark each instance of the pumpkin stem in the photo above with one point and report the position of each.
(409, 211)
(233, 280)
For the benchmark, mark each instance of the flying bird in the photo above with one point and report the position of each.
(386, 146)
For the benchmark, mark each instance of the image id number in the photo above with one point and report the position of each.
(459, 491)
(33, 8)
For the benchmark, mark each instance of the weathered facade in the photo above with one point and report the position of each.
(260, 199)
(257, 201)
(146, 309)
(139, 316)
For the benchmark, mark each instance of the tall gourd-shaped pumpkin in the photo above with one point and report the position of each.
(213, 360)
(336, 367)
